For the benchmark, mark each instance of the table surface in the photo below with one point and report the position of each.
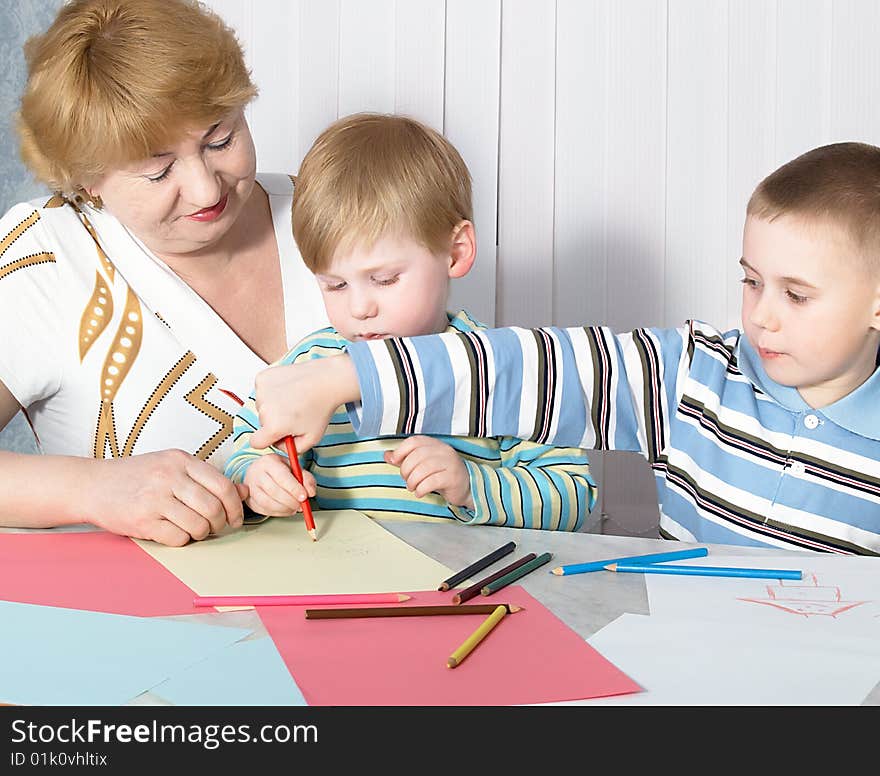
(585, 602)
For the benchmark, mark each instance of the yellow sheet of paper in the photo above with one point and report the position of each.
(353, 554)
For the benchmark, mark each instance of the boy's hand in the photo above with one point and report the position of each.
(428, 465)
(299, 400)
(274, 491)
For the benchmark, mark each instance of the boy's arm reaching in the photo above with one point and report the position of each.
(580, 387)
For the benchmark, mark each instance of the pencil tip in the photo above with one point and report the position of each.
(557, 571)
(403, 597)
(515, 608)
(444, 586)
(611, 567)
(313, 534)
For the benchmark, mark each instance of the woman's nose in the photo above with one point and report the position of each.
(199, 184)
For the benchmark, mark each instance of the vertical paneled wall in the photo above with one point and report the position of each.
(613, 143)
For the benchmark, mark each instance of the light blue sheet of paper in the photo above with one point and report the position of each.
(64, 657)
(247, 673)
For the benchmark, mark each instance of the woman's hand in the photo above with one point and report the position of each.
(170, 497)
(298, 400)
(428, 465)
(274, 491)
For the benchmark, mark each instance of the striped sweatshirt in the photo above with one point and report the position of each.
(737, 458)
(514, 483)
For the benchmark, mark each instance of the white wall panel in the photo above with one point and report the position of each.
(696, 162)
(318, 84)
(636, 159)
(751, 150)
(275, 114)
(420, 40)
(472, 89)
(581, 164)
(366, 56)
(524, 285)
(803, 32)
(855, 71)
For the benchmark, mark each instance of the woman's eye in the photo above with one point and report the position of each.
(162, 175)
(221, 144)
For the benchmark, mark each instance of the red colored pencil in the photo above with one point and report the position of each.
(297, 472)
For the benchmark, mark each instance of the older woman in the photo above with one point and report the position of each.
(145, 293)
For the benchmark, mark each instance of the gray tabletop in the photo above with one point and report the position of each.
(585, 602)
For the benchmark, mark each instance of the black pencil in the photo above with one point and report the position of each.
(403, 611)
(474, 590)
(476, 566)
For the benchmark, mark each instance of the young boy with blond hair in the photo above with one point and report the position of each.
(382, 215)
(766, 436)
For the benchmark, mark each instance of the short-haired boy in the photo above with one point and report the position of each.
(764, 436)
(382, 216)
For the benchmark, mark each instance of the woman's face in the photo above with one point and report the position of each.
(185, 198)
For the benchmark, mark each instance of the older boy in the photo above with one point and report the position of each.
(382, 216)
(765, 436)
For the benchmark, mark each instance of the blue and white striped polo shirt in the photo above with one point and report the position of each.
(737, 458)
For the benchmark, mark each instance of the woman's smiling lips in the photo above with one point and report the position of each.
(210, 213)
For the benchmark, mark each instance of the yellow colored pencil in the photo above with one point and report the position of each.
(477, 636)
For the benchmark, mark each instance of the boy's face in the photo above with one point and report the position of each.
(395, 288)
(810, 307)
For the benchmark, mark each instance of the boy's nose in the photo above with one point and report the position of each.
(362, 307)
(763, 316)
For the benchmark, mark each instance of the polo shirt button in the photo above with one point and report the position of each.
(811, 421)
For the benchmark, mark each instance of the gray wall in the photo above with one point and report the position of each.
(18, 21)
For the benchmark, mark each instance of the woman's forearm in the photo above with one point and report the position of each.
(43, 491)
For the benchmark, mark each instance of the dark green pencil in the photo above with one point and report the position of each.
(516, 574)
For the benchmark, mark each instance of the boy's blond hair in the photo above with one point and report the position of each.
(370, 174)
(114, 81)
(837, 184)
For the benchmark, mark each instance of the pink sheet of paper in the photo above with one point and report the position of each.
(96, 571)
(531, 656)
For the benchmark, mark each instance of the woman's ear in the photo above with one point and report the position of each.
(463, 250)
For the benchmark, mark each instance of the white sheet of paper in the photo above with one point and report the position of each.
(838, 594)
(684, 662)
(353, 554)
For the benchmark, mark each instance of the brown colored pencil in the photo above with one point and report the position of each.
(474, 590)
(403, 611)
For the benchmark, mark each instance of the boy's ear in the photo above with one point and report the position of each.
(463, 250)
(875, 312)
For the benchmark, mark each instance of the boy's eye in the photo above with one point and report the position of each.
(335, 286)
(750, 282)
(796, 298)
(386, 281)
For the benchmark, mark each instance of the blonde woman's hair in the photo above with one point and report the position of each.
(370, 174)
(114, 81)
(837, 184)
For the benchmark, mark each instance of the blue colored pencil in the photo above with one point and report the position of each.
(706, 571)
(657, 557)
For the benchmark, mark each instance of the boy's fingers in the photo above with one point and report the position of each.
(261, 439)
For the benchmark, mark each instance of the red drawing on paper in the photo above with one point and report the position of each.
(806, 597)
